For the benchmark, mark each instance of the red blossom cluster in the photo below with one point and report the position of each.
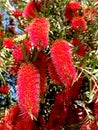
(79, 20)
(4, 89)
(9, 43)
(32, 64)
(31, 10)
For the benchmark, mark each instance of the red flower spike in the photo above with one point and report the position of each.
(3, 126)
(31, 10)
(79, 24)
(59, 99)
(76, 42)
(18, 54)
(14, 120)
(28, 90)
(62, 60)
(17, 13)
(11, 116)
(28, 45)
(75, 89)
(81, 50)
(72, 9)
(9, 119)
(38, 32)
(96, 110)
(29, 124)
(41, 64)
(4, 89)
(52, 73)
(58, 113)
(8, 43)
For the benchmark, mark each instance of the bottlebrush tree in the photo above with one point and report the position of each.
(49, 65)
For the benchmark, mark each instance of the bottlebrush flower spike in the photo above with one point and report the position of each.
(18, 54)
(3, 126)
(11, 116)
(52, 72)
(62, 60)
(38, 32)
(72, 9)
(81, 50)
(8, 43)
(29, 124)
(58, 113)
(28, 90)
(76, 42)
(41, 64)
(31, 9)
(8, 121)
(76, 88)
(79, 24)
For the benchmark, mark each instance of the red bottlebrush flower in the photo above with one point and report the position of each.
(72, 9)
(81, 50)
(53, 73)
(41, 64)
(10, 118)
(75, 89)
(74, 6)
(27, 44)
(96, 110)
(29, 124)
(58, 113)
(9, 43)
(31, 9)
(57, 118)
(4, 89)
(79, 24)
(59, 99)
(3, 126)
(38, 31)
(14, 119)
(17, 13)
(28, 90)
(76, 42)
(62, 60)
(18, 54)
